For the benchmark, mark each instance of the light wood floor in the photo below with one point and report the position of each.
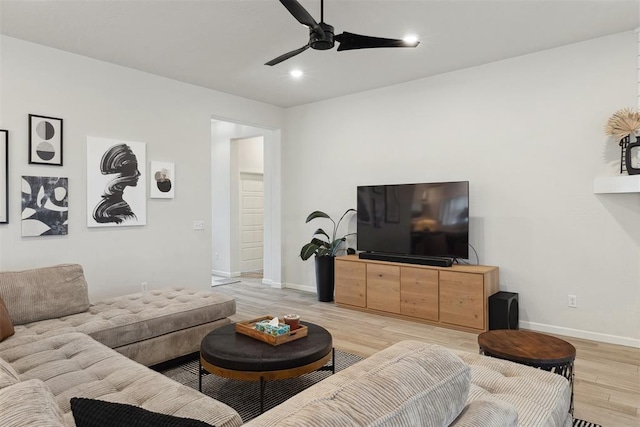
(607, 377)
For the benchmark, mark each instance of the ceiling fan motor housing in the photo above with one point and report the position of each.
(316, 41)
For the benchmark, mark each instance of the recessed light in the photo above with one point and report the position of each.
(296, 73)
(410, 39)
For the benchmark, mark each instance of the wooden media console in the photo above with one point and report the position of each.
(455, 297)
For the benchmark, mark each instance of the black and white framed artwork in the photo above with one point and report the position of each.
(116, 183)
(4, 176)
(45, 206)
(162, 180)
(45, 140)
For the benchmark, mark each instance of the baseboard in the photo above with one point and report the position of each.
(225, 273)
(578, 333)
(305, 288)
(273, 284)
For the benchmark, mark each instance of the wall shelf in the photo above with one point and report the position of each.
(616, 184)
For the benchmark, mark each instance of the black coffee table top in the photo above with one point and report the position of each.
(225, 348)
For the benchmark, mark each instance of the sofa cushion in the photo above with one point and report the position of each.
(6, 325)
(75, 365)
(29, 403)
(410, 383)
(98, 413)
(136, 317)
(540, 397)
(128, 319)
(44, 293)
(8, 375)
(487, 413)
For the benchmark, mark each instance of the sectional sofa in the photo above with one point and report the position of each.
(65, 348)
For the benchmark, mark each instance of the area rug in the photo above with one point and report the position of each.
(244, 396)
(583, 423)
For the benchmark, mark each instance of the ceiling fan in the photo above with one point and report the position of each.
(321, 36)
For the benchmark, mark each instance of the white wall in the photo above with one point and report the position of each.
(100, 99)
(528, 135)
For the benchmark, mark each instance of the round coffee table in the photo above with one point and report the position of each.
(531, 348)
(229, 354)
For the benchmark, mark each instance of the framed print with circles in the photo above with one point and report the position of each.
(45, 140)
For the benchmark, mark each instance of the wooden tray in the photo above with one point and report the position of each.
(247, 327)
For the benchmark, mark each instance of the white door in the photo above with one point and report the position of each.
(251, 222)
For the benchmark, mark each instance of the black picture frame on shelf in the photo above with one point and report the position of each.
(45, 140)
(4, 176)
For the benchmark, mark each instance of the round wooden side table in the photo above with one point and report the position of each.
(533, 349)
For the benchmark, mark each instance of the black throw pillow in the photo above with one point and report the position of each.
(98, 413)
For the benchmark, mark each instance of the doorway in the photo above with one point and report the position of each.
(241, 240)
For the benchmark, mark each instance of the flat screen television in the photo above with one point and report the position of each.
(418, 220)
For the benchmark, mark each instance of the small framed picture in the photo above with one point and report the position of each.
(163, 180)
(4, 176)
(45, 140)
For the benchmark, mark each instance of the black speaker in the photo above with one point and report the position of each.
(503, 311)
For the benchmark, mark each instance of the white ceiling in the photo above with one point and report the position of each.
(223, 44)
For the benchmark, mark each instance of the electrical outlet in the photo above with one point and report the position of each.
(198, 225)
(573, 301)
(144, 286)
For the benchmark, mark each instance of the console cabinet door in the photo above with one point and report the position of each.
(419, 293)
(351, 283)
(462, 299)
(383, 287)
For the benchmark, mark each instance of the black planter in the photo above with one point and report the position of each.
(624, 142)
(629, 154)
(325, 277)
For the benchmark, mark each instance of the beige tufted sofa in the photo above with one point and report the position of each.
(149, 327)
(412, 383)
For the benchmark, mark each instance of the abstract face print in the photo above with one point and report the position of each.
(120, 162)
(115, 182)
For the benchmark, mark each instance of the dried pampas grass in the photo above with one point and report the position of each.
(624, 122)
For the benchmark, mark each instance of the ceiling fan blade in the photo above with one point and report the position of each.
(349, 41)
(287, 55)
(301, 14)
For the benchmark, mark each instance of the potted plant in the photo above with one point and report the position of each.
(325, 248)
(623, 125)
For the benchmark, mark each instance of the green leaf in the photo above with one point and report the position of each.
(308, 250)
(320, 242)
(317, 214)
(324, 252)
(345, 214)
(321, 231)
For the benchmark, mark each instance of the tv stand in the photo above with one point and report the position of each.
(408, 259)
(455, 297)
